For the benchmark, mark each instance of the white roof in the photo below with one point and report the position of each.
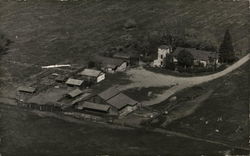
(91, 72)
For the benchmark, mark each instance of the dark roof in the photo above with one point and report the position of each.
(90, 72)
(83, 97)
(111, 62)
(93, 106)
(109, 93)
(74, 82)
(26, 89)
(61, 78)
(164, 47)
(198, 54)
(121, 100)
(75, 93)
(122, 56)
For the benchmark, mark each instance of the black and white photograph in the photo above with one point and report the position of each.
(124, 77)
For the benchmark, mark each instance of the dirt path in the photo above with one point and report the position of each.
(144, 78)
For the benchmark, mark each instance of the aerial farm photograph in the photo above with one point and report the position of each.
(124, 77)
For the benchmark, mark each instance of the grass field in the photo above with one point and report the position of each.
(26, 134)
(226, 110)
(49, 32)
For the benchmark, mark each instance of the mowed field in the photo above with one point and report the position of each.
(49, 32)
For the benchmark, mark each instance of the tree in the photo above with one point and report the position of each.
(169, 62)
(91, 64)
(226, 51)
(185, 58)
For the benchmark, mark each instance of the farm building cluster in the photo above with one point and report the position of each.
(70, 91)
(201, 57)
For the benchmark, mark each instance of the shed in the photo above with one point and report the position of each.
(75, 93)
(26, 89)
(60, 78)
(74, 82)
(97, 75)
(93, 107)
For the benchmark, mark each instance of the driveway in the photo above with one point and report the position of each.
(144, 78)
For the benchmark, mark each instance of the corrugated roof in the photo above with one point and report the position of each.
(109, 93)
(121, 100)
(75, 93)
(93, 106)
(26, 89)
(91, 72)
(198, 54)
(74, 82)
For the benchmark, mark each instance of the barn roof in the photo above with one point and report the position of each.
(121, 100)
(75, 93)
(109, 93)
(91, 72)
(198, 54)
(74, 82)
(93, 106)
(111, 62)
(26, 89)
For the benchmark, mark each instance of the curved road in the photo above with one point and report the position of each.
(144, 78)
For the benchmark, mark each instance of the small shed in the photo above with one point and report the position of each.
(74, 82)
(60, 78)
(75, 93)
(26, 89)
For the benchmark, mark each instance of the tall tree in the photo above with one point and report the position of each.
(226, 51)
(185, 58)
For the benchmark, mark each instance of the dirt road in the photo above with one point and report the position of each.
(144, 78)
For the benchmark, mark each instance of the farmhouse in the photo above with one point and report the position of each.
(163, 50)
(201, 57)
(93, 75)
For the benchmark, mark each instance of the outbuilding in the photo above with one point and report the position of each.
(93, 107)
(93, 75)
(74, 82)
(26, 89)
(75, 93)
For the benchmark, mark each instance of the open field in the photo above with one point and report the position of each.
(223, 116)
(24, 133)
